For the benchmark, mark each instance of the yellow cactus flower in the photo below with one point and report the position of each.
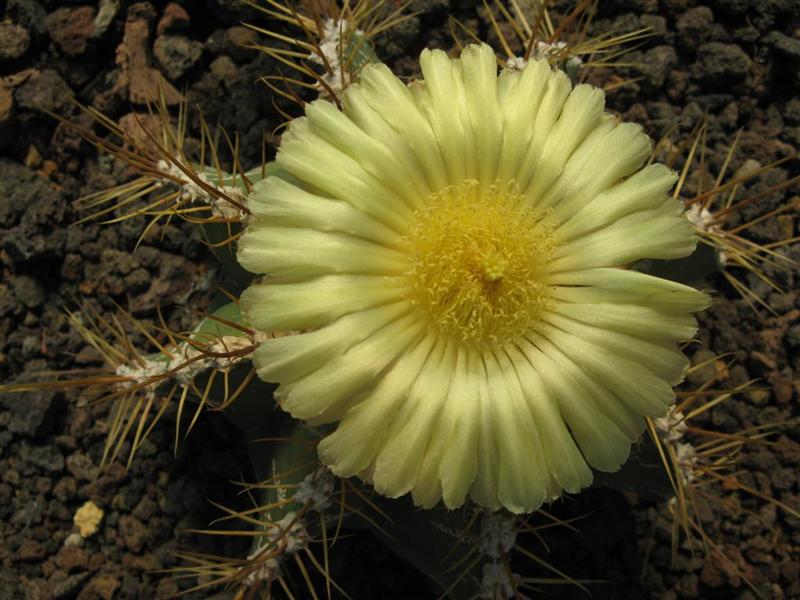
(453, 252)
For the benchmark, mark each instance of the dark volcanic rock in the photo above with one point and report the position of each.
(787, 49)
(8, 121)
(32, 413)
(785, 45)
(45, 91)
(28, 291)
(47, 458)
(32, 207)
(694, 26)
(175, 18)
(29, 14)
(720, 64)
(657, 63)
(71, 28)
(176, 54)
(14, 41)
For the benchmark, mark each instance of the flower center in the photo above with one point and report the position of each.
(479, 263)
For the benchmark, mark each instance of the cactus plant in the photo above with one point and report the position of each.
(452, 282)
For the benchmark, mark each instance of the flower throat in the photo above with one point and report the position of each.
(479, 263)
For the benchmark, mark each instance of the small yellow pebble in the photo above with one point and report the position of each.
(87, 518)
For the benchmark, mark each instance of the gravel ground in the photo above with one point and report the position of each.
(738, 61)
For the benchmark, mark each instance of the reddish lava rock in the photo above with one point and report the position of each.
(71, 28)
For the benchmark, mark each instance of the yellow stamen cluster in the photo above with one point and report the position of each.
(479, 263)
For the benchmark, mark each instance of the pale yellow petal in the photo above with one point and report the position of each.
(524, 482)
(601, 160)
(301, 153)
(581, 113)
(623, 286)
(556, 93)
(316, 302)
(398, 464)
(462, 413)
(427, 490)
(402, 146)
(391, 99)
(376, 157)
(602, 443)
(662, 232)
(443, 102)
(326, 394)
(296, 254)
(564, 461)
(479, 76)
(355, 443)
(662, 359)
(485, 486)
(279, 202)
(631, 319)
(286, 358)
(650, 396)
(644, 190)
(520, 95)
